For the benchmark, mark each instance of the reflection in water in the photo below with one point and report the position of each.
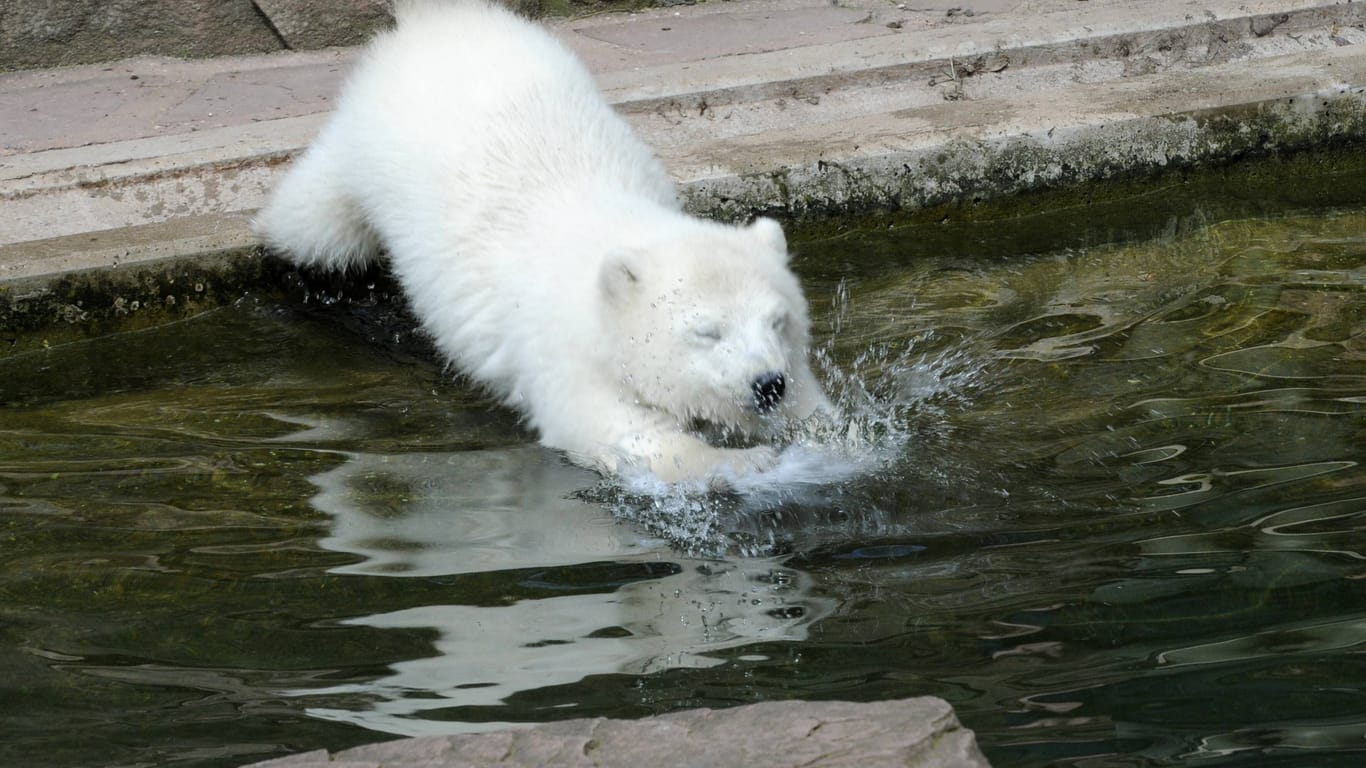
(436, 514)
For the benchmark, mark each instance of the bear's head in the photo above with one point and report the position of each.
(708, 323)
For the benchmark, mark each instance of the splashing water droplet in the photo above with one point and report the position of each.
(890, 401)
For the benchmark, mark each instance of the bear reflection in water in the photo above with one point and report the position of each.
(423, 515)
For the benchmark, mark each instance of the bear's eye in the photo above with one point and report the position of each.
(707, 334)
(780, 324)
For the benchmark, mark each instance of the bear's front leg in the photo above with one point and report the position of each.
(676, 456)
(621, 435)
(807, 396)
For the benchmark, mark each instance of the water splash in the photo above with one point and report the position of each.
(891, 401)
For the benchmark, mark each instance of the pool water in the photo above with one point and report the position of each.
(1107, 499)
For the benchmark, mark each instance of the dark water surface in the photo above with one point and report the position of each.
(1110, 504)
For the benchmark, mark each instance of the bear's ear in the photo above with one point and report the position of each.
(620, 276)
(770, 235)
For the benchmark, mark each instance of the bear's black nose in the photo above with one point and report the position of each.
(768, 391)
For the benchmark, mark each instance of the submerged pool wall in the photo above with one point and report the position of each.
(128, 187)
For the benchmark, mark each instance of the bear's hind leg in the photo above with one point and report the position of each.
(312, 219)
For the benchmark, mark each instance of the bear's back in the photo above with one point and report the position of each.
(492, 103)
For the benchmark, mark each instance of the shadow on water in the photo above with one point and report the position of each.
(1107, 500)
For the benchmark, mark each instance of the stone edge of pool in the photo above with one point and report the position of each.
(923, 732)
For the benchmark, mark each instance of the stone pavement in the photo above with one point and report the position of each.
(795, 107)
(915, 733)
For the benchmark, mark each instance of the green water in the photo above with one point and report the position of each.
(1115, 517)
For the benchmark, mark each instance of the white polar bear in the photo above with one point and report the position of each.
(542, 246)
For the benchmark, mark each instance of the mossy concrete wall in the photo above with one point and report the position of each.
(1096, 141)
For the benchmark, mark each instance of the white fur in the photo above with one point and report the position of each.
(543, 248)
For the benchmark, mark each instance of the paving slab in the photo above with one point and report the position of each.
(912, 733)
(108, 104)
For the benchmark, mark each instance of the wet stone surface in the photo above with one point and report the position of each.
(915, 733)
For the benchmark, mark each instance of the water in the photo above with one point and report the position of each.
(1106, 499)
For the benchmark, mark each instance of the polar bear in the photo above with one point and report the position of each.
(541, 245)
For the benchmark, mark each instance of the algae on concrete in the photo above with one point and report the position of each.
(43, 312)
(77, 305)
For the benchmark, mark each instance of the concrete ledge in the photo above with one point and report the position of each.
(916, 733)
(790, 107)
(128, 279)
(994, 147)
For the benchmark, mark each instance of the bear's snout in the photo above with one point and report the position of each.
(768, 391)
